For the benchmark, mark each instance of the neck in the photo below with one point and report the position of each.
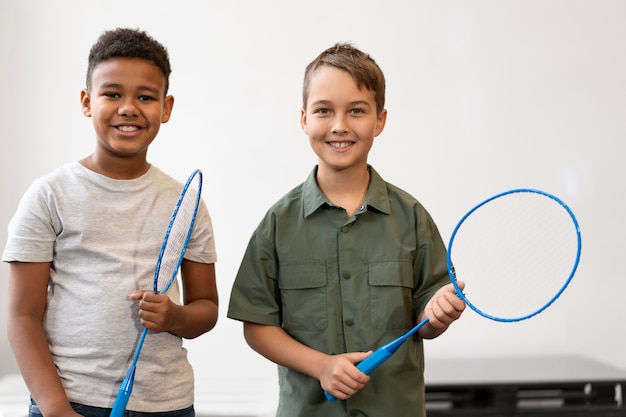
(346, 189)
(119, 169)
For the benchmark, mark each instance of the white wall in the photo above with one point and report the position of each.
(482, 96)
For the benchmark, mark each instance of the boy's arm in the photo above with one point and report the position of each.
(199, 313)
(442, 309)
(28, 291)
(337, 374)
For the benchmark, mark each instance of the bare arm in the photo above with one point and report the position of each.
(199, 313)
(442, 309)
(337, 373)
(28, 288)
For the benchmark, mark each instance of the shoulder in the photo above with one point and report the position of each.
(396, 195)
(283, 213)
(286, 208)
(157, 176)
(401, 203)
(54, 183)
(402, 195)
(290, 200)
(65, 172)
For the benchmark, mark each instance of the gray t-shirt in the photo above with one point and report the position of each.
(102, 237)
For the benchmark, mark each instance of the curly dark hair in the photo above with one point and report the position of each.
(361, 66)
(128, 43)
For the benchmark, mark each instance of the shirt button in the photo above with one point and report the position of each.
(349, 322)
(346, 275)
(354, 413)
(345, 229)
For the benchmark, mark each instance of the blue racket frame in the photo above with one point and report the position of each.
(556, 295)
(384, 352)
(126, 387)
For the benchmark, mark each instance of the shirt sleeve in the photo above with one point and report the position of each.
(254, 296)
(430, 262)
(33, 229)
(202, 243)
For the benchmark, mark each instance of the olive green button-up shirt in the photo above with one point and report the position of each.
(340, 284)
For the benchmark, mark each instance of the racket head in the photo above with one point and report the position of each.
(516, 251)
(178, 233)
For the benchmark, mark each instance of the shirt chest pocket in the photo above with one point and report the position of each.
(391, 289)
(303, 287)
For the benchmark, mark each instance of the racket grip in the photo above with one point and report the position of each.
(374, 360)
(123, 395)
(368, 364)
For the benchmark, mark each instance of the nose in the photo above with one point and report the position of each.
(340, 125)
(127, 108)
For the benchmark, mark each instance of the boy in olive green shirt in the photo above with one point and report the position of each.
(344, 262)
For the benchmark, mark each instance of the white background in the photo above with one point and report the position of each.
(482, 96)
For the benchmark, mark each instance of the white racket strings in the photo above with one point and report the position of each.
(515, 254)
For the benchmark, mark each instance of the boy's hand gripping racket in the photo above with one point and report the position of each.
(516, 251)
(168, 262)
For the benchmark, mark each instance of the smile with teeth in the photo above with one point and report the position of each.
(128, 128)
(340, 145)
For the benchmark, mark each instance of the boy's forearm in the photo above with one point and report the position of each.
(276, 345)
(195, 319)
(34, 360)
(199, 313)
(28, 283)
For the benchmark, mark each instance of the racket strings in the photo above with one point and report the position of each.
(515, 254)
(177, 236)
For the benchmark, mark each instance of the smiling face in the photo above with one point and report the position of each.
(127, 103)
(340, 119)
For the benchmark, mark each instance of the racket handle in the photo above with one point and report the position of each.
(381, 354)
(368, 364)
(123, 394)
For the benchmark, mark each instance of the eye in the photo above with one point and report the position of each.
(111, 95)
(357, 110)
(145, 98)
(322, 110)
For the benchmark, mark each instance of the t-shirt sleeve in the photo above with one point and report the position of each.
(33, 229)
(201, 246)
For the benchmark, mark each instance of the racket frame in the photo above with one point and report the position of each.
(450, 265)
(384, 352)
(126, 388)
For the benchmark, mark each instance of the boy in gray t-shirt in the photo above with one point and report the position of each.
(82, 248)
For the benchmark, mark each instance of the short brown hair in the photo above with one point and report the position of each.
(362, 67)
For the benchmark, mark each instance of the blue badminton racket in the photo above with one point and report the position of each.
(168, 263)
(516, 251)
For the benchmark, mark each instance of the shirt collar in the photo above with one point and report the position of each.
(376, 198)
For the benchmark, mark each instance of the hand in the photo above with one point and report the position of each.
(340, 376)
(445, 306)
(157, 312)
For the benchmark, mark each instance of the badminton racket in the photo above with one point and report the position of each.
(168, 262)
(517, 252)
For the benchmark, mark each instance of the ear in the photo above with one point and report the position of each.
(380, 122)
(303, 120)
(168, 105)
(85, 102)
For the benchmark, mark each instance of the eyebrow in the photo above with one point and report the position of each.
(352, 103)
(119, 86)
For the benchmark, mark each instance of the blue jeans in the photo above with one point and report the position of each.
(89, 411)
